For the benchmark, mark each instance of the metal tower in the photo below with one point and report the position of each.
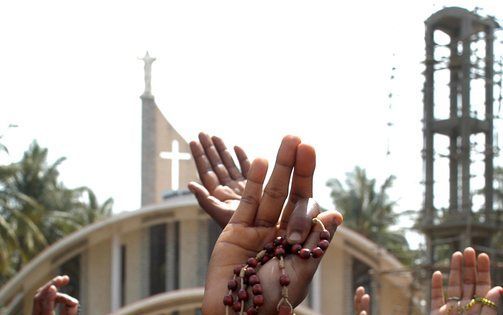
(467, 61)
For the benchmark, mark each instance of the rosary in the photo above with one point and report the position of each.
(245, 276)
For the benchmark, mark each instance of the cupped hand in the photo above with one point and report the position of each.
(262, 216)
(47, 298)
(469, 283)
(222, 181)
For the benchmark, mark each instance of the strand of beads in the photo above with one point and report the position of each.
(248, 277)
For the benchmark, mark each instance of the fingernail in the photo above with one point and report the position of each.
(294, 237)
(190, 186)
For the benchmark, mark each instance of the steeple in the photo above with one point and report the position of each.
(166, 165)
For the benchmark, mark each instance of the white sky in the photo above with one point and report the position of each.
(250, 72)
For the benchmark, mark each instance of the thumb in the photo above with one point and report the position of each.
(300, 221)
(211, 205)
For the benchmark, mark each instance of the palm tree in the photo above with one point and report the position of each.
(369, 210)
(36, 209)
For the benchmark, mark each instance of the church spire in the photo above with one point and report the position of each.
(148, 75)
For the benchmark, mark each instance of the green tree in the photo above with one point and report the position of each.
(369, 210)
(37, 209)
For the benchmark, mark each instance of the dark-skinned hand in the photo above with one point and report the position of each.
(222, 181)
(47, 299)
(261, 216)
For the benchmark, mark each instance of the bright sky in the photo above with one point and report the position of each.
(249, 72)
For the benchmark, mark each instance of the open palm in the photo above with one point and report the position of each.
(469, 277)
(261, 216)
(223, 182)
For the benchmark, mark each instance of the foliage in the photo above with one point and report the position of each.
(369, 210)
(36, 209)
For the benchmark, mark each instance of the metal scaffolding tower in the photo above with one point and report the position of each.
(459, 225)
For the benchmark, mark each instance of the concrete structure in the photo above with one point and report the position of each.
(467, 60)
(106, 286)
(153, 260)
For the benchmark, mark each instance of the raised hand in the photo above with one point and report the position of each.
(223, 182)
(262, 216)
(47, 299)
(469, 289)
(361, 302)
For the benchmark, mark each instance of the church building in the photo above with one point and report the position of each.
(134, 262)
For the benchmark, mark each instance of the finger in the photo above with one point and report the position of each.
(302, 182)
(365, 303)
(70, 304)
(57, 281)
(276, 191)
(360, 291)
(454, 287)
(437, 291)
(204, 168)
(49, 301)
(494, 295)
(227, 159)
(214, 157)
(243, 161)
(214, 207)
(483, 275)
(469, 273)
(245, 213)
(66, 300)
(301, 219)
(330, 219)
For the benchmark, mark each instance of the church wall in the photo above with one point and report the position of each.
(394, 300)
(333, 295)
(189, 252)
(132, 241)
(99, 263)
(164, 141)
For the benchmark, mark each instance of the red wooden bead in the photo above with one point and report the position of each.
(265, 259)
(236, 306)
(284, 280)
(323, 244)
(257, 289)
(252, 311)
(317, 252)
(232, 285)
(295, 248)
(253, 280)
(228, 300)
(237, 269)
(325, 235)
(284, 310)
(279, 251)
(243, 295)
(269, 247)
(305, 253)
(258, 300)
(249, 271)
(252, 262)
